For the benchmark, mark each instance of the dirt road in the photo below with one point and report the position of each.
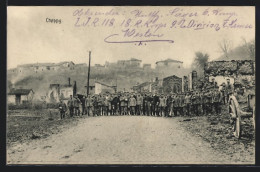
(119, 140)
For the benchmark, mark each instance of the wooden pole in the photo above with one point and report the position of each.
(88, 72)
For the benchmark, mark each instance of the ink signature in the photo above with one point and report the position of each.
(138, 42)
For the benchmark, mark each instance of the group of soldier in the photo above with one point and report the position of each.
(192, 103)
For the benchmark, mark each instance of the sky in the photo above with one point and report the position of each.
(31, 39)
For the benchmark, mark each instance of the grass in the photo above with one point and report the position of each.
(25, 125)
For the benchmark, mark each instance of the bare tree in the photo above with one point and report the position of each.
(199, 62)
(250, 47)
(225, 46)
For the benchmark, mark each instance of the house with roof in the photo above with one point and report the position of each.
(133, 63)
(20, 96)
(44, 67)
(172, 84)
(143, 87)
(104, 88)
(59, 92)
(169, 63)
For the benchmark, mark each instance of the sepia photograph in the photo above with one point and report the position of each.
(115, 85)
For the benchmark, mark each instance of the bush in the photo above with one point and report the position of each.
(21, 106)
(52, 105)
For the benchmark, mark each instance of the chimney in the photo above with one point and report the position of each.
(75, 88)
(69, 81)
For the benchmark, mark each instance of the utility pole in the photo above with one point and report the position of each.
(88, 72)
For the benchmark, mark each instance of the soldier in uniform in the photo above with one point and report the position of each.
(115, 105)
(96, 106)
(76, 103)
(139, 103)
(169, 106)
(161, 105)
(154, 104)
(187, 101)
(106, 105)
(223, 93)
(149, 104)
(122, 104)
(229, 89)
(88, 104)
(181, 104)
(144, 104)
(83, 103)
(175, 104)
(132, 104)
(71, 106)
(195, 102)
(62, 109)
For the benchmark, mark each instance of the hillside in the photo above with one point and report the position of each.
(124, 78)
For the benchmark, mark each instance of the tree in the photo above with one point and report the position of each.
(250, 47)
(225, 46)
(199, 63)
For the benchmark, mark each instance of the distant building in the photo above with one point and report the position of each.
(57, 92)
(169, 63)
(147, 66)
(44, 67)
(144, 87)
(104, 88)
(172, 84)
(20, 96)
(133, 63)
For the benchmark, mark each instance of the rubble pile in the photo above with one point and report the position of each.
(229, 68)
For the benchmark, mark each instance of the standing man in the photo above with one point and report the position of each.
(195, 98)
(89, 103)
(229, 89)
(155, 103)
(77, 102)
(62, 109)
(162, 105)
(132, 104)
(96, 107)
(223, 93)
(187, 101)
(83, 102)
(139, 102)
(169, 106)
(71, 106)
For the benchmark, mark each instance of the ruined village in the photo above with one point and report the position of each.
(39, 101)
(131, 85)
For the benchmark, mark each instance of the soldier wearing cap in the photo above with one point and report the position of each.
(155, 103)
(139, 104)
(115, 104)
(122, 105)
(76, 103)
(195, 102)
(229, 88)
(132, 105)
(169, 106)
(88, 104)
(181, 104)
(62, 109)
(223, 93)
(187, 102)
(71, 105)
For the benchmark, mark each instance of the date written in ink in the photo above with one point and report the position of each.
(55, 21)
